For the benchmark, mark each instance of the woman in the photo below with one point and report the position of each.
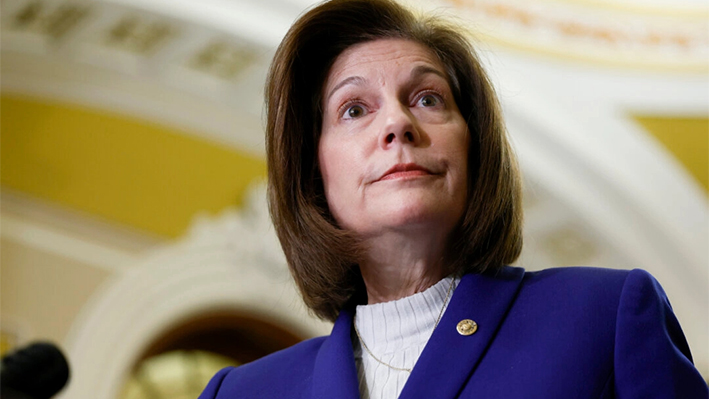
(396, 199)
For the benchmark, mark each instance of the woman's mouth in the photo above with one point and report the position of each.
(404, 171)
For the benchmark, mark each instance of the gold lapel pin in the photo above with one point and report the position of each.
(467, 327)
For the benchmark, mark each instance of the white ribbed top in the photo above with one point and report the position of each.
(396, 332)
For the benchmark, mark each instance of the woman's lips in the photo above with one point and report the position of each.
(403, 171)
(401, 175)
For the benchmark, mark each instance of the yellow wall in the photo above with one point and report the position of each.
(124, 170)
(686, 138)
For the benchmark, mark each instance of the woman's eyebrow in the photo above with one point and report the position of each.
(421, 70)
(354, 80)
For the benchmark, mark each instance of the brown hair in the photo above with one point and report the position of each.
(321, 256)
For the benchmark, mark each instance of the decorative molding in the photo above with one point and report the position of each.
(70, 234)
(586, 31)
(43, 238)
(156, 63)
(229, 262)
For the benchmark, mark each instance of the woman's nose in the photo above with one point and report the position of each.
(399, 128)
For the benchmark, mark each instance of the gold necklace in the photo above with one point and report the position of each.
(440, 314)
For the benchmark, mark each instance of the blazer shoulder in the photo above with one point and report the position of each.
(595, 279)
(589, 286)
(652, 357)
(283, 373)
(580, 274)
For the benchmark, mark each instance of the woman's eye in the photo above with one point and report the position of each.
(354, 111)
(429, 100)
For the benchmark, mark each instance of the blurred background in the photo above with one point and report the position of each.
(134, 230)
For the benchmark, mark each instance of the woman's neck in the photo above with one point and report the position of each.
(399, 265)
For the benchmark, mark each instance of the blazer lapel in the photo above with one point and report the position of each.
(449, 358)
(335, 373)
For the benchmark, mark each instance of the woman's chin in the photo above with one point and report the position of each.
(412, 214)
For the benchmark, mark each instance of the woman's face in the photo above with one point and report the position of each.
(394, 146)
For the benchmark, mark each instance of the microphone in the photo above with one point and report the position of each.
(37, 371)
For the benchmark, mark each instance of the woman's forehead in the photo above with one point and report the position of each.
(373, 55)
(366, 59)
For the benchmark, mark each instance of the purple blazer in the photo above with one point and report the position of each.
(558, 333)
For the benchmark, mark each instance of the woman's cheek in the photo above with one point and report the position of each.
(435, 116)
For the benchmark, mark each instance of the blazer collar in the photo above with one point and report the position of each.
(449, 358)
(335, 372)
